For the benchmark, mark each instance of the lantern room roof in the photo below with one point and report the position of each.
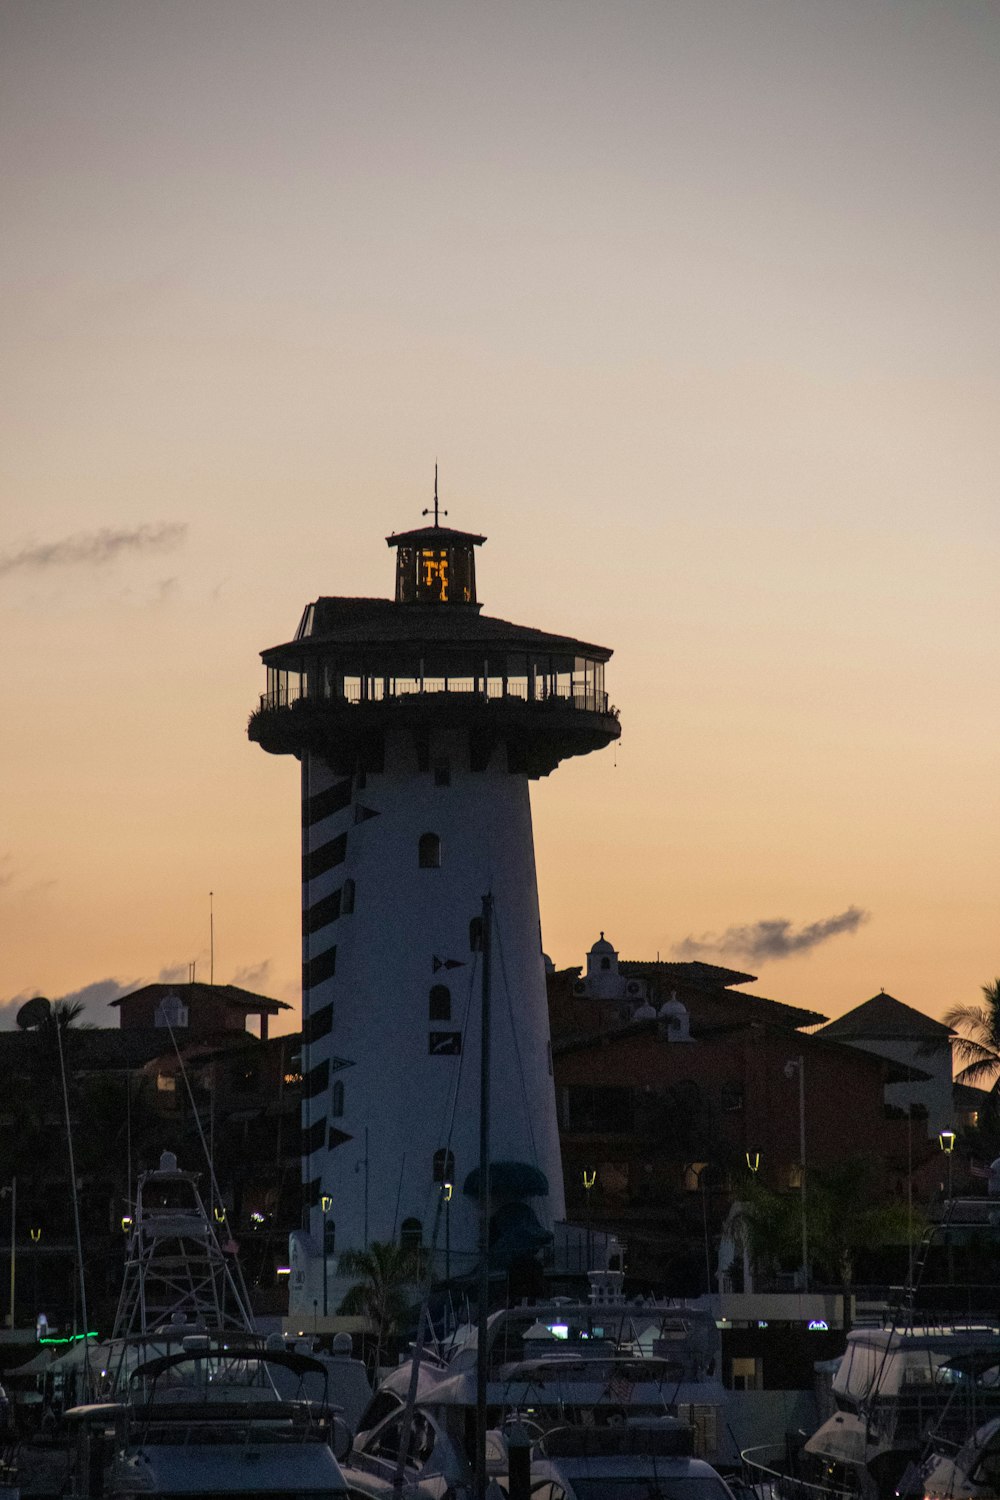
(437, 536)
(383, 623)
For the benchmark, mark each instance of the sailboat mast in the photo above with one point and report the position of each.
(484, 1201)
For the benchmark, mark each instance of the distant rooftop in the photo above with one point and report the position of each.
(231, 995)
(883, 1018)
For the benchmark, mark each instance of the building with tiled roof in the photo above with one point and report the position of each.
(192, 1009)
(916, 1041)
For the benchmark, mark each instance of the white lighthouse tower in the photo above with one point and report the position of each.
(418, 723)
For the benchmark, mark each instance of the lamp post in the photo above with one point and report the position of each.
(946, 1140)
(797, 1064)
(11, 1192)
(446, 1188)
(589, 1178)
(325, 1203)
(36, 1235)
(753, 1160)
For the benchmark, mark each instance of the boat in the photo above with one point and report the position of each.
(970, 1473)
(642, 1461)
(190, 1400)
(926, 1381)
(554, 1366)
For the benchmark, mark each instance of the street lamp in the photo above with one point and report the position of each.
(753, 1160)
(797, 1064)
(325, 1203)
(946, 1140)
(589, 1178)
(447, 1189)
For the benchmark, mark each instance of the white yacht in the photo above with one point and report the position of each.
(189, 1404)
(548, 1366)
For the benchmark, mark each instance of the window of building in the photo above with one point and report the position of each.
(608, 1110)
(746, 1374)
(605, 963)
(337, 1100)
(347, 898)
(411, 1234)
(731, 1096)
(171, 1011)
(444, 1166)
(439, 1003)
(429, 851)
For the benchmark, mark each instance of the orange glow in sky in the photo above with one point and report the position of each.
(696, 306)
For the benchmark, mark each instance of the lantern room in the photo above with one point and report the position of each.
(435, 565)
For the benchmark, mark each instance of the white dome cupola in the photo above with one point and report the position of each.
(675, 1018)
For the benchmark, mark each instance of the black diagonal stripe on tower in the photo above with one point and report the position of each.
(318, 861)
(321, 913)
(316, 1079)
(325, 804)
(318, 1025)
(313, 1138)
(323, 966)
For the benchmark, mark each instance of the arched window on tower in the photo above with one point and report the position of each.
(444, 1166)
(337, 1100)
(439, 1003)
(347, 898)
(411, 1234)
(429, 851)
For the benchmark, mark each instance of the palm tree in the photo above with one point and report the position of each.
(387, 1271)
(847, 1212)
(977, 1040)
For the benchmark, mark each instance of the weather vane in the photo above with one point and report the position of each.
(427, 511)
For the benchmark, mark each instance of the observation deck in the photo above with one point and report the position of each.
(359, 668)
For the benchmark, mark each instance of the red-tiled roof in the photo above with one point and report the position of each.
(883, 1018)
(193, 994)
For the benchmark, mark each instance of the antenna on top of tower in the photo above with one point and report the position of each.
(427, 511)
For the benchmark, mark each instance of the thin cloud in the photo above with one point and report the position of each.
(174, 974)
(94, 997)
(253, 976)
(93, 548)
(774, 937)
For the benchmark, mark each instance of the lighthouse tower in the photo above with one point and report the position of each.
(419, 722)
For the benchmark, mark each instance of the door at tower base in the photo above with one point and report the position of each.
(396, 861)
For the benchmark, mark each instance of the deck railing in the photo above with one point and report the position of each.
(489, 690)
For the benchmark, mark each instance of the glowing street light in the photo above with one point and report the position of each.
(325, 1203)
(946, 1140)
(589, 1178)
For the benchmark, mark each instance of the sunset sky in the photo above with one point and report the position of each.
(696, 304)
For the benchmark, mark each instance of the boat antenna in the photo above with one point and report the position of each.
(239, 1284)
(484, 1203)
(57, 1018)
